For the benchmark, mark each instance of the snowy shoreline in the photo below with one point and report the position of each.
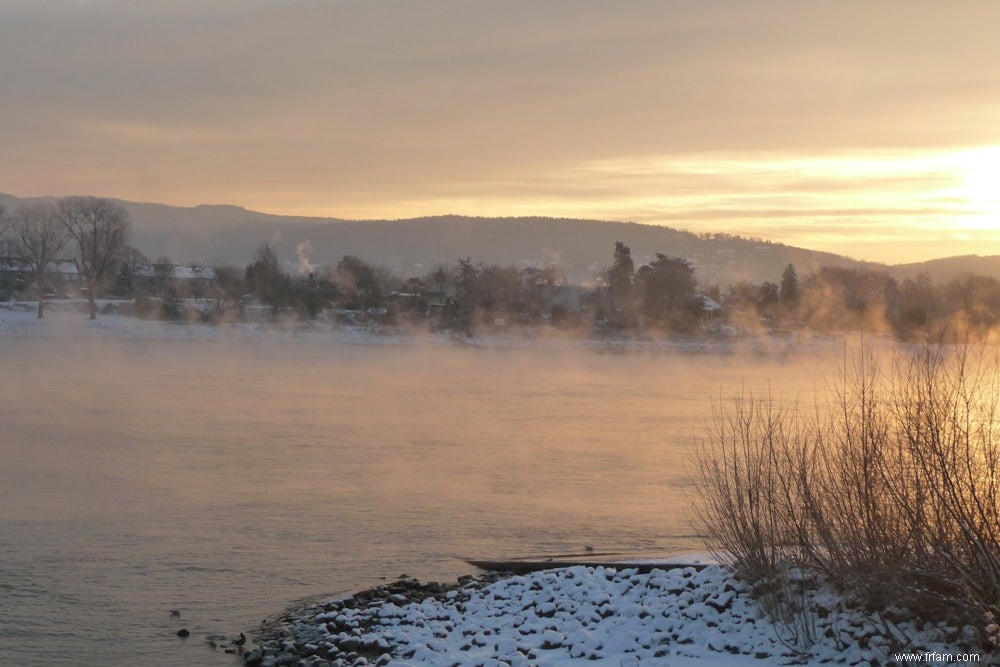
(600, 616)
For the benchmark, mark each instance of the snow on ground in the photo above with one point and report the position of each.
(599, 616)
(68, 319)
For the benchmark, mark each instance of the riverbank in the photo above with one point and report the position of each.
(68, 319)
(599, 616)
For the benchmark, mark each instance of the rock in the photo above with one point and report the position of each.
(255, 657)
(552, 639)
(721, 603)
(183, 632)
(350, 644)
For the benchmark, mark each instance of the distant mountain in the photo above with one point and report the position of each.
(943, 270)
(582, 247)
(230, 234)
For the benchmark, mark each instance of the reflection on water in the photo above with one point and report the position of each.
(229, 479)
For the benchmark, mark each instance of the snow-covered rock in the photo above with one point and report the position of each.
(594, 616)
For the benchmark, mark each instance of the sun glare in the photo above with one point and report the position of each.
(979, 184)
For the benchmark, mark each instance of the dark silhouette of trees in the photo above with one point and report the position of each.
(500, 290)
(973, 302)
(411, 299)
(100, 229)
(621, 275)
(768, 298)
(467, 293)
(537, 289)
(842, 298)
(359, 283)
(620, 280)
(919, 303)
(228, 286)
(789, 294)
(265, 279)
(666, 288)
(40, 238)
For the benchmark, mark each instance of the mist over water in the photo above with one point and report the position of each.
(228, 479)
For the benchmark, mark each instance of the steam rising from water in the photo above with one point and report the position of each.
(229, 478)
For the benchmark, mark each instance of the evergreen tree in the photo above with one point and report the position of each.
(666, 288)
(789, 287)
(621, 285)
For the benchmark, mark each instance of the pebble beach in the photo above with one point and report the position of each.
(600, 616)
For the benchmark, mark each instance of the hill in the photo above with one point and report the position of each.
(230, 234)
(946, 268)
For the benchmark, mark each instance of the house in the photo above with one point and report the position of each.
(15, 274)
(183, 272)
(709, 307)
(188, 279)
(65, 271)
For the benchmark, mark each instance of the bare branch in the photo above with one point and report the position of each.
(101, 229)
(40, 237)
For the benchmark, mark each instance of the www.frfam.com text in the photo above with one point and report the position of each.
(932, 658)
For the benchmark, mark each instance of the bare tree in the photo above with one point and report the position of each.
(162, 268)
(7, 252)
(40, 236)
(101, 231)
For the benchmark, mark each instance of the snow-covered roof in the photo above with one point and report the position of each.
(179, 272)
(707, 303)
(63, 266)
(183, 272)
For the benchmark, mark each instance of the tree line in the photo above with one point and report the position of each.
(663, 295)
(95, 230)
(837, 298)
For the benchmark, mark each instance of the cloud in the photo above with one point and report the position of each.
(356, 108)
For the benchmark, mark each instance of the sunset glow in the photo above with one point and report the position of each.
(980, 186)
(865, 130)
(847, 203)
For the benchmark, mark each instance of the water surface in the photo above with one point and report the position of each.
(227, 479)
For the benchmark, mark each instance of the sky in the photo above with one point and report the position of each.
(867, 128)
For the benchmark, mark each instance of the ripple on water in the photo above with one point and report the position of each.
(228, 479)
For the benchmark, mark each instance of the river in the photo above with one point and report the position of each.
(228, 479)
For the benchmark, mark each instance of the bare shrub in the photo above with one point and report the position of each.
(890, 487)
(787, 600)
(747, 483)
